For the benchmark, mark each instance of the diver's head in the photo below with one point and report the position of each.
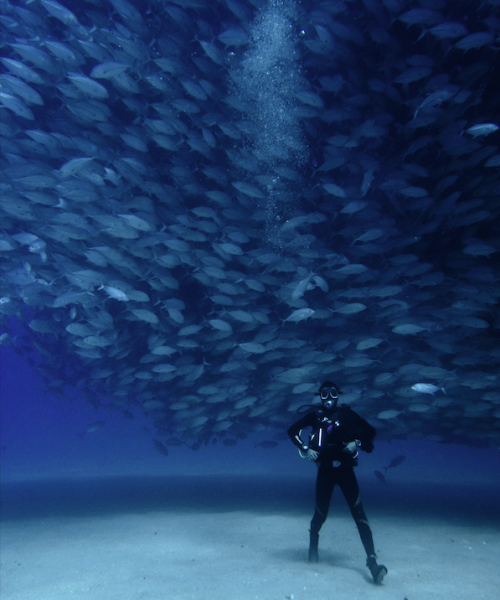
(329, 394)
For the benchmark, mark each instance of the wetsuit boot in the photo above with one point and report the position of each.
(378, 571)
(313, 546)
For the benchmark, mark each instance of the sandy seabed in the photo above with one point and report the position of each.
(220, 538)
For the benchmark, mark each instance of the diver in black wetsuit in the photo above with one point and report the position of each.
(337, 434)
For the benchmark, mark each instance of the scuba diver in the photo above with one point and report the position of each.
(337, 435)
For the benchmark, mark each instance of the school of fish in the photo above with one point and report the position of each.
(208, 207)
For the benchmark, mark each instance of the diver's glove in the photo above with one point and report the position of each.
(352, 447)
(312, 455)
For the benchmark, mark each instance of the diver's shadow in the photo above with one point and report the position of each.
(328, 560)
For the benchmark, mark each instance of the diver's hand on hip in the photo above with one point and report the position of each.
(312, 455)
(351, 448)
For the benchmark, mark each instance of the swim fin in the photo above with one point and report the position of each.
(378, 571)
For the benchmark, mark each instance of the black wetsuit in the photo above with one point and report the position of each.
(332, 430)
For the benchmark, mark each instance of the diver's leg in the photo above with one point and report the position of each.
(350, 488)
(324, 489)
(313, 546)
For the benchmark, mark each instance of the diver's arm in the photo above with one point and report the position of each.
(361, 431)
(308, 420)
(365, 434)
